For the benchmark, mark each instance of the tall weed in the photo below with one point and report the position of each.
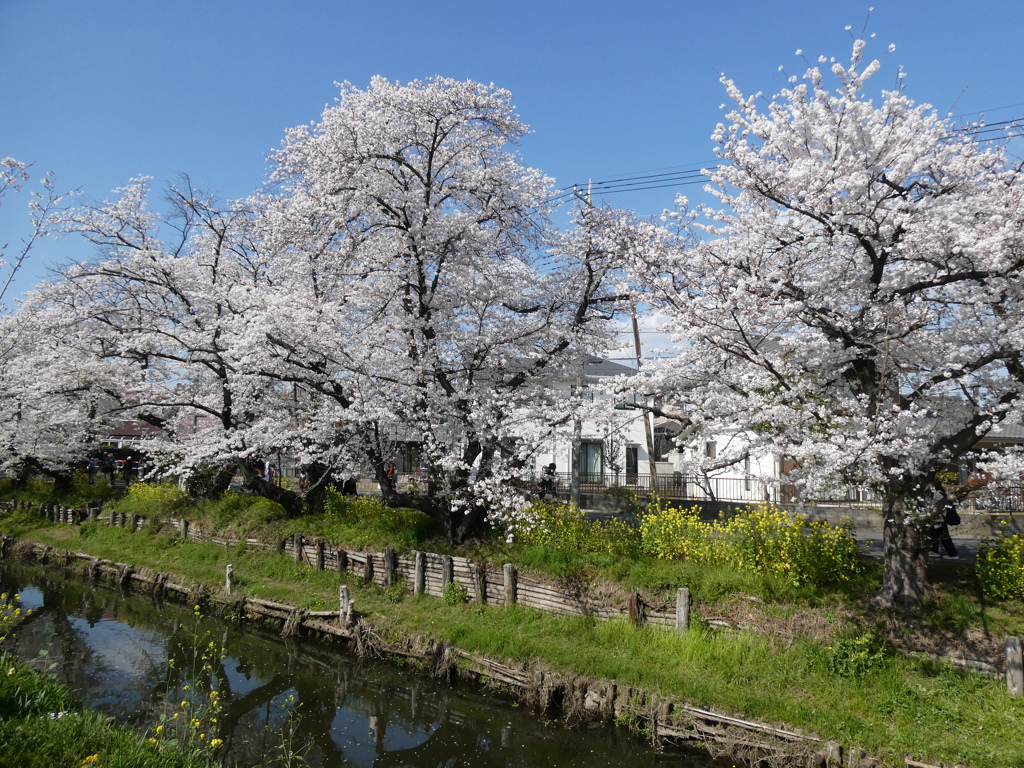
(566, 528)
(1000, 566)
(759, 539)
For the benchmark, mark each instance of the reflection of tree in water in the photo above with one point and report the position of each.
(350, 712)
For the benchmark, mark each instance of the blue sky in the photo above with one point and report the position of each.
(101, 91)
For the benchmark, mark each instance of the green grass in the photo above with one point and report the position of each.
(31, 738)
(899, 706)
(39, 490)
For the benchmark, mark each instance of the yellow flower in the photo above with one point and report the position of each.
(159, 730)
(90, 759)
(152, 740)
(215, 743)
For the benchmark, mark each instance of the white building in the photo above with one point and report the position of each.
(610, 441)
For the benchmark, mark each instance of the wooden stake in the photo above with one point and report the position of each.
(509, 572)
(368, 569)
(420, 578)
(1014, 667)
(480, 582)
(229, 578)
(682, 610)
(389, 566)
(344, 606)
(447, 572)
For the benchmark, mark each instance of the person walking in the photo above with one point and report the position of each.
(939, 532)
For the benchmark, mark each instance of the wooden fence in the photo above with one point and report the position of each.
(431, 574)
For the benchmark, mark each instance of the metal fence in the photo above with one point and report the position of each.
(1003, 499)
(677, 485)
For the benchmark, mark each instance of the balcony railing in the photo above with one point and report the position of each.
(998, 499)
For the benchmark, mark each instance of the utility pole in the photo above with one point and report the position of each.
(577, 427)
(651, 459)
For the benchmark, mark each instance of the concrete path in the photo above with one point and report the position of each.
(966, 549)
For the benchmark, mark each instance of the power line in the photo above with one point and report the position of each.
(645, 181)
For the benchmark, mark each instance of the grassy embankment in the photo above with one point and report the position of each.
(42, 725)
(822, 662)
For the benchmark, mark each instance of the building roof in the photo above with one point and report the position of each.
(600, 368)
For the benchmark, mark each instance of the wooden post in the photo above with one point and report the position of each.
(134, 523)
(344, 606)
(682, 610)
(480, 582)
(447, 572)
(368, 569)
(112, 521)
(297, 547)
(342, 560)
(183, 528)
(94, 513)
(319, 555)
(419, 582)
(1014, 667)
(124, 519)
(511, 584)
(229, 578)
(389, 566)
(637, 609)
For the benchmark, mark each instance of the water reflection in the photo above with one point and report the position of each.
(130, 657)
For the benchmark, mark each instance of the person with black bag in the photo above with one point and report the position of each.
(940, 533)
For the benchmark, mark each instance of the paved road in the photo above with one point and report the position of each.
(967, 549)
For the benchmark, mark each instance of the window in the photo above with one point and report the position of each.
(711, 449)
(590, 461)
(622, 400)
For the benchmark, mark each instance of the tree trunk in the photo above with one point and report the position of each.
(293, 503)
(62, 483)
(209, 482)
(905, 558)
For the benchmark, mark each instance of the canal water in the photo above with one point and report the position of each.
(139, 660)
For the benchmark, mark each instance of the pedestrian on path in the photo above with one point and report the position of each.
(939, 532)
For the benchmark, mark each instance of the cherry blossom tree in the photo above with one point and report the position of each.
(435, 304)
(42, 207)
(51, 393)
(398, 282)
(58, 397)
(184, 313)
(855, 304)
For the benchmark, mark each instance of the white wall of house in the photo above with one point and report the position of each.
(756, 477)
(612, 438)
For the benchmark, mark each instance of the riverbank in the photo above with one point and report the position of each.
(899, 707)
